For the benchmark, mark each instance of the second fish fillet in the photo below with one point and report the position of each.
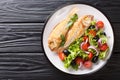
(78, 29)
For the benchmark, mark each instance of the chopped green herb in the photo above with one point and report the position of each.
(74, 17)
(69, 24)
(72, 20)
(63, 40)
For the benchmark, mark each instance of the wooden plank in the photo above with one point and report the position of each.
(24, 63)
(35, 65)
(39, 10)
(21, 37)
(26, 37)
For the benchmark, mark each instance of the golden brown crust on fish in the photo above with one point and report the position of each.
(54, 39)
(78, 29)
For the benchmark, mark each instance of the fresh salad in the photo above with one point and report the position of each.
(88, 49)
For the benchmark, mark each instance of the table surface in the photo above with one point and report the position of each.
(21, 53)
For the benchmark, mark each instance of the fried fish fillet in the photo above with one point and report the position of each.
(54, 38)
(78, 29)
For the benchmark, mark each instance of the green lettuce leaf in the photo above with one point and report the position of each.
(103, 54)
(74, 50)
(103, 39)
(92, 41)
(93, 22)
(83, 55)
(69, 59)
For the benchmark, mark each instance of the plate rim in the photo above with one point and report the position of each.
(65, 5)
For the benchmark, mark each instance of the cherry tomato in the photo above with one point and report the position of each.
(90, 56)
(87, 64)
(85, 46)
(62, 56)
(92, 32)
(100, 24)
(85, 38)
(78, 60)
(103, 47)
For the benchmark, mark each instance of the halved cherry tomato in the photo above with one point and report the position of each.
(62, 56)
(78, 60)
(87, 64)
(85, 38)
(92, 32)
(85, 46)
(90, 56)
(103, 47)
(100, 24)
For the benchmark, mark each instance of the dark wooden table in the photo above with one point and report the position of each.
(21, 53)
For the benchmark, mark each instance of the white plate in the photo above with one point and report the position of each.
(60, 15)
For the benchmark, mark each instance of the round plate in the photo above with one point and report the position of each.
(60, 15)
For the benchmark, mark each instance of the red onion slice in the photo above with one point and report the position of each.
(81, 45)
(86, 41)
(80, 65)
(99, 42)
(92, 47)
(96, 27)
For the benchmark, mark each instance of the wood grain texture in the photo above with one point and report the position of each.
(21, 53)
(24, 37)
(39, 10)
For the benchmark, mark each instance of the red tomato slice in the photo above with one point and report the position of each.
(90, 55)
(85, 46)
(103, 47)
(92, 32)
(78, 60)
(61, 56)
(100, 24)
(85, 38)
(87, 64)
